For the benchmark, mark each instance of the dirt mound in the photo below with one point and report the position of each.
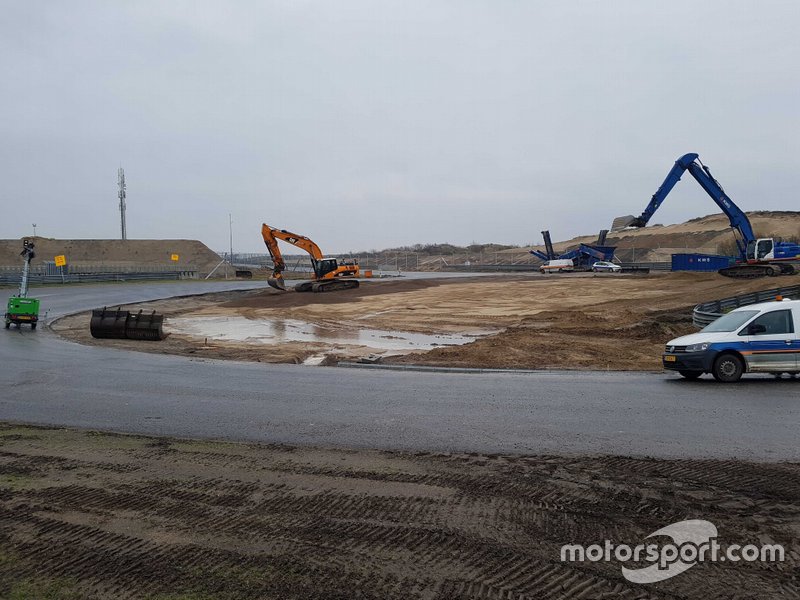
(193, 254)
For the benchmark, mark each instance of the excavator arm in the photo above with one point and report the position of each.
(271, 236)
(691, 162)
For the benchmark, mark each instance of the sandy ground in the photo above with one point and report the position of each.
(100, 516)
(574, 321)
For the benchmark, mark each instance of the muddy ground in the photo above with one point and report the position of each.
(569, 321)
(105, 516)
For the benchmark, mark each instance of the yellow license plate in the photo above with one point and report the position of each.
(670, 358)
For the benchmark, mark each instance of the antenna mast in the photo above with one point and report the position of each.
(122, 195)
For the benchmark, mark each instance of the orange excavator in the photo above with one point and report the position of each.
(328, 272)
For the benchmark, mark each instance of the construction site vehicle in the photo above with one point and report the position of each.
(750, 339)
(557, 265)
(22, 309)
(118, 324)
(758, 257)
(583, 257)
(329, 273)
(603, 266)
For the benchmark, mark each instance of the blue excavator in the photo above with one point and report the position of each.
(758, 257)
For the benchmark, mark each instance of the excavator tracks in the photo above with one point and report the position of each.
(755, 271)
(328, 285)
(114, 517)
(334, 285)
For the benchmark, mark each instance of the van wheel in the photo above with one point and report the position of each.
(690, 374)
(728, 368)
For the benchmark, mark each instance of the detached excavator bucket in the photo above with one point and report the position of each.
(277, 283)
(118, 324)
(109, 324)
(145, 327)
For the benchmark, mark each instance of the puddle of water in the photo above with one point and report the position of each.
(278, 331)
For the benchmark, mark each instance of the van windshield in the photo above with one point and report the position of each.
(730, 322)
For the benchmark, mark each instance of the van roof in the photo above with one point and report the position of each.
(785, 303)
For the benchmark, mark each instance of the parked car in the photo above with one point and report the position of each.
(559, 265)
(760, 338)
(609, 267)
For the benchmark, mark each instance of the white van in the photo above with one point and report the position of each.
(760, 338)
(559, 265)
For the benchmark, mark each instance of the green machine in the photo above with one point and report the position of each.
(22, 309)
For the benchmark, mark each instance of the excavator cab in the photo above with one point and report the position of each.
(325, 266)
(764, 248)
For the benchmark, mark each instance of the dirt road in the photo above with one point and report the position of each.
(92, 515)
(532, 322)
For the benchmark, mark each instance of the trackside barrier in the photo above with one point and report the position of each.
(41, 278)
(708, 312)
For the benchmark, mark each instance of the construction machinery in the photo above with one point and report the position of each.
(22, 309)
(757, 256)
(118, 324)
(330, 274)
(582, 257)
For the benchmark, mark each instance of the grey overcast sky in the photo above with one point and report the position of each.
(371, 124)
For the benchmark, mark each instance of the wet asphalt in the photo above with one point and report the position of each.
(47, 380)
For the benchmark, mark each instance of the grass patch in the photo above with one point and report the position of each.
(52, 589)
(17, 481)
(35, 589)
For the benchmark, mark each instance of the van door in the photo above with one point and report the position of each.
(772, 344)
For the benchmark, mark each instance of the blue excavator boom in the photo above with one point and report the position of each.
(757, 257)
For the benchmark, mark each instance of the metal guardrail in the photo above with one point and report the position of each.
(49, 268)
(41, 278)
(653, 266)
(493, 268)
(708, 312)
(630, 267)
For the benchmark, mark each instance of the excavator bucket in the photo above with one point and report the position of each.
(109, 324)
(145, 327)
(277, 283)
(118, 324)
(623, 222)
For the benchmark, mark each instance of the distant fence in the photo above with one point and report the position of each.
(708, 312)
(46, 273)
(492, 268)
(49, 268)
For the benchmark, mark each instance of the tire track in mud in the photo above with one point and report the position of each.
(245, 521)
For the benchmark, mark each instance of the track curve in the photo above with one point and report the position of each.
(47, 380)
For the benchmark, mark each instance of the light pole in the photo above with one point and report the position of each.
(230, 232)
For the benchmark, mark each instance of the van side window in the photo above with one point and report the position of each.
(774, 323)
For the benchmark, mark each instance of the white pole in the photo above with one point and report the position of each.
(230, 233)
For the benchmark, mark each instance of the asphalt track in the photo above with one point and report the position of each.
(47, 380)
